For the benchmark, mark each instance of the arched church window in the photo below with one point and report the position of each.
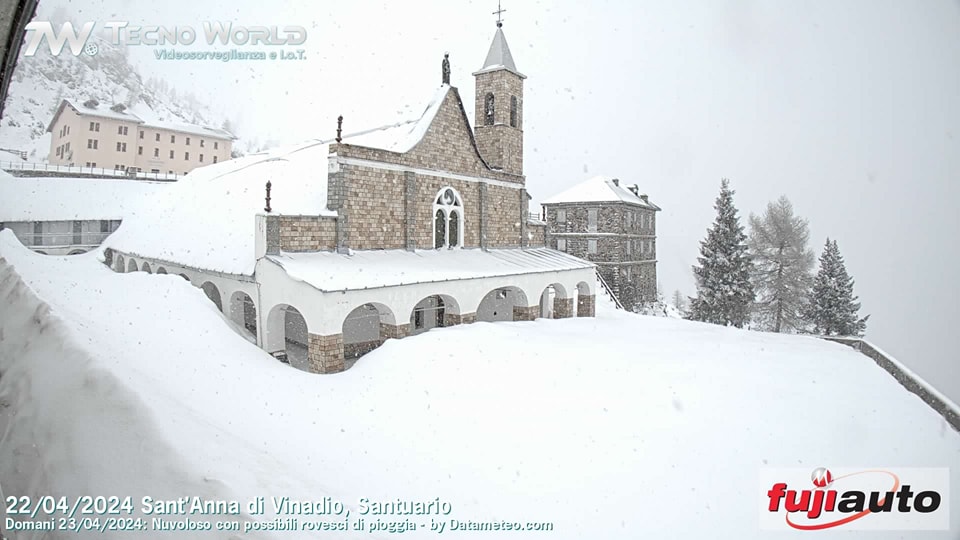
(447, 219)
(513, 111)
(488, 110)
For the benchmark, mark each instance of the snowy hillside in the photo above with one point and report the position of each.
(622, 426)
(40, 82)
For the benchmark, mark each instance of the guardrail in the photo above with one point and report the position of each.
(949, 410)
(97, 171)
(616, 301)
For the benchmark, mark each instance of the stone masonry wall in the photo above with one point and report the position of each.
(307, 233)
(500, 144)
(626, 245)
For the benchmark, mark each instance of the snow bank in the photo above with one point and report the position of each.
(59, 199)
(207, 219)
(622, 426)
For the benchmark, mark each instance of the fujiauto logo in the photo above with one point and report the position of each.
(863, 499)
(122, 32)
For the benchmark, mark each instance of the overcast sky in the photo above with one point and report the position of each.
(850, 108)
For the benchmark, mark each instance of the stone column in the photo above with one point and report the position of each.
(326, 353)
(410, 209)
(525, 313)
(484, 219)
(586, 306)
(397, 331)
(562, 308)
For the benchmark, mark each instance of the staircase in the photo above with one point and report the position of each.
(606, 289)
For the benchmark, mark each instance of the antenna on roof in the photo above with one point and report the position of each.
(498, 12)
(339, 127)
(267, 208)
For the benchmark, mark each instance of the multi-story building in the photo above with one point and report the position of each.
(612, 226)
(97, 136)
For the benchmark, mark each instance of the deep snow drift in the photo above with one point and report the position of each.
(622, 426)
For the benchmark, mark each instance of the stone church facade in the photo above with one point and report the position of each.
(613, 226)
(422, 224)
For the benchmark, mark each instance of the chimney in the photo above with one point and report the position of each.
(635, 189)
(616, 182)
(644, 197)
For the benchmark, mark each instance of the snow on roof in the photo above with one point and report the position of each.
(401, 136)
(328, 271)
(207, 219)
(599, 189)
(499, 56)
(192, 129)
(67, 199)
(101, 110)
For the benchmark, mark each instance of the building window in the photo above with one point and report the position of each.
(141, 133)
(201, 158)
(186, 156)
(188, 141)
(155, 171)
(592, 246)
(215, 145)
(561, 216)
(104, 226)
(592, 220)
(488, 109)
(157, 137)
(77, 233)
(139, 150)
(156, 152)
(447, 219)
(171, 154)
(201, 143)
(562, 244)
(119, 130)
(629, 247)
(118, 147)
(173, 138)
(214, 159)
(513, 111)
(89, 143)
(96, 127)
(58, 151)
(91, 126)
(38, 233)
(650, 247)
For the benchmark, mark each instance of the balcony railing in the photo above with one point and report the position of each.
(97, 171)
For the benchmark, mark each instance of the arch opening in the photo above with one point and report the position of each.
(287, 338)
(243, 312)
(502, 304)
(213, 293)
(366, 328)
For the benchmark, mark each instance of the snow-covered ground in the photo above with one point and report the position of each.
(622, 426)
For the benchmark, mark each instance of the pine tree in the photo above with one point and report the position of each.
(833, 309)
(724, 292)
(678, 301)
(782, 266)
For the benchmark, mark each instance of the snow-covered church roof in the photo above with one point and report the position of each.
(599, 189)
(207, 219)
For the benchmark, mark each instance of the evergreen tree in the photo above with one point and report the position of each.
(833, 309)
(724, 292)
(782, 266)
(678, 301)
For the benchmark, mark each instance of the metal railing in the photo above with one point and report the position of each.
(98, 171)
(609, 292)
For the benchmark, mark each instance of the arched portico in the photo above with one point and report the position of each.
(506, 303)
(435, 311)
(243, 312)
(555, 303)
(586, 301)
(213, 293)
(146, 267)
(132, 266)
(366, 328)
(287, 337)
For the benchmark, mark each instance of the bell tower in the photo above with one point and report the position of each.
(499, 108)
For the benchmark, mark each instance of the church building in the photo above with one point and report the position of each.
(320, 252)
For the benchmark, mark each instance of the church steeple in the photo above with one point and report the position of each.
(499, 107)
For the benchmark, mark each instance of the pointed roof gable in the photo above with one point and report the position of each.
(499, 57)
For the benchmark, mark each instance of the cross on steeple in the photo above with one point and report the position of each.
(497, 13)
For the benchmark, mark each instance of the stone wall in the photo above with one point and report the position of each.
(626, 245)
(500, 144)
(325, 353)
(536, 234)
(907, 380)
(307, 233)
(381, 208)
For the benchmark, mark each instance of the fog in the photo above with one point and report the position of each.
(850, 108)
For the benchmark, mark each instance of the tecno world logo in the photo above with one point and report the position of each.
(855, 499)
